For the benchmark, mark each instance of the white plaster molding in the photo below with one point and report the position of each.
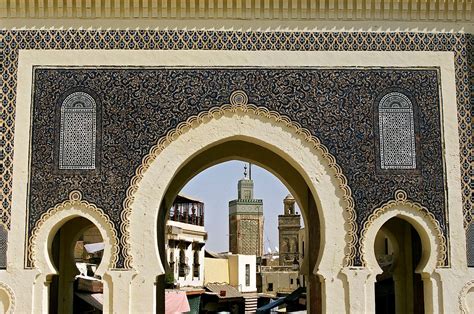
(415, 10)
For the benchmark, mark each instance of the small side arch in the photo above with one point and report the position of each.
(463, 308)
(7, 298)
(50, 222)
(433, 241)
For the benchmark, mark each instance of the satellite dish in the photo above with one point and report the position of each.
(269, 250)
(276, 249)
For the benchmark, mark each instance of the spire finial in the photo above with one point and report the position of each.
(245, 171)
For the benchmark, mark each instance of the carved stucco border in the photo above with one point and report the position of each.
(11, 295)
(462, 297)
(238, 103)
(75, 199)
(401, 199)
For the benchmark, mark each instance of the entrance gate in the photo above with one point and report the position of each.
(160, 117)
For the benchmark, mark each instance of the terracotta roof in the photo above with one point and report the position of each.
(215, 255)
(223, 290)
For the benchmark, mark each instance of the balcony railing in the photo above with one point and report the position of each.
(189, 213)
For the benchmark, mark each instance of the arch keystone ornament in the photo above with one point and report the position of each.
(238, 105)
(401, 199)
(75, 201)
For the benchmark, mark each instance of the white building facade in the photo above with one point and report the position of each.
(186, 238)
(243, 272)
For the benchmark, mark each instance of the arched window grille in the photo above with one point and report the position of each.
(3, 246)
(470, 244)
(397, 132)
(77, 144)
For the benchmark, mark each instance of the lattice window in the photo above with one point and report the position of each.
(397, 132)
(78, 132)
(470, 245)
(3, 246)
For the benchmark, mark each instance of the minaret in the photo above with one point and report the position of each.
(289, 225)
(246, 219)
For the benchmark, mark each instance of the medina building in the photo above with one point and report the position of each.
(186, 237)
(362, 108)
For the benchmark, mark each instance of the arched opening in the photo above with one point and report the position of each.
(238, 149)
(270, 140)
(7, 301)
(398, 250)
(76, 253)
(469, 300)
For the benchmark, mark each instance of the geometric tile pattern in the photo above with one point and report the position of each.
(78, 132)
(249, 236)
(165, 97)
(11, 41)
(397, 132)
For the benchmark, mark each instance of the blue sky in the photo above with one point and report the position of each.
(217, 185)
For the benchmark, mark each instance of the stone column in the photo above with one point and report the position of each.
(361, 289)
(334, 297)
(431, 295)
(117, 291)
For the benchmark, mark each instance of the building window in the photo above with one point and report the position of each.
(470, 244)
(77, 142)
(172, 261)
(247, 275)
(396, 132)
(3, 246)
(270, 286)
(182, 263)
(196, 264)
